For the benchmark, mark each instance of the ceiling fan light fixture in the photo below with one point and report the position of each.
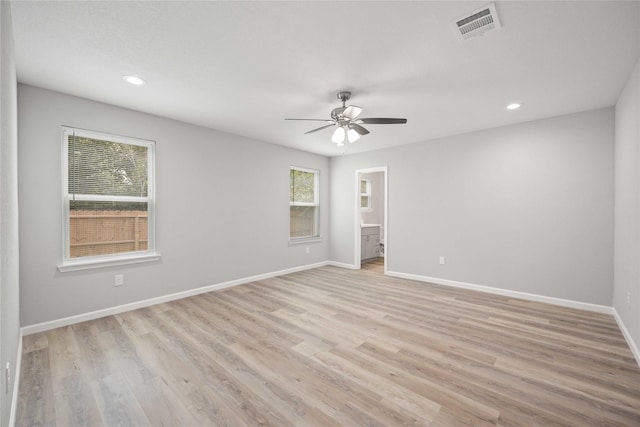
(338, 136)
(352, 135)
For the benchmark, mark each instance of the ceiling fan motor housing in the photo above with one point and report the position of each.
(336, 113)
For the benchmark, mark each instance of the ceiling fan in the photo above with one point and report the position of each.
(348, 124)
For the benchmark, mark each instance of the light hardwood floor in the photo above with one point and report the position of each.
(334, 347)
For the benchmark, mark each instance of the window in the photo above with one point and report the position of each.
(303, 203)
(365, 194)
(108, 194)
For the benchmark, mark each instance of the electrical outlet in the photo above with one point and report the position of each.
(119, 280)
(308, 249)
(442, 260)
(628, 298)
(7, 374)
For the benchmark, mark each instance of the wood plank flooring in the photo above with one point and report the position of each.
(334, 347)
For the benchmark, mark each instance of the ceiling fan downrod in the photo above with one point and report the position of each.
(344, 96)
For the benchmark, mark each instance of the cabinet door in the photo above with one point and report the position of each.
(375, 246)
(363, 247)
(370, 243)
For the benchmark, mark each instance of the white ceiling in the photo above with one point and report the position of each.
(242, 67)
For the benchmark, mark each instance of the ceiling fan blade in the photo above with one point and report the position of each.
(382, 121)
(314, 120)
(351, 112)
(320, 128)
(358, 128)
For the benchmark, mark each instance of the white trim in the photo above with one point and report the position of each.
(303, 204)
(303, 169)
(102, 198)
(627, 336)
(16, 384)
(87, 263)
(357, 245)
(358, 235)
(303, 240)
(64, 162)
(52, 324)
(505, 292)
(68, 130)
(343, 265)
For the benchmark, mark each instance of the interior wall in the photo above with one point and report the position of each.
(626, 295)
(526, 208)
(222, 209)
(9, 265)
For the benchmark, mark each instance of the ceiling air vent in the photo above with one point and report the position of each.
(476, 23)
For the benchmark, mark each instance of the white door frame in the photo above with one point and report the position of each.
(357, 252)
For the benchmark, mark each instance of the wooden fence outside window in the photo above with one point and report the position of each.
(107, 232)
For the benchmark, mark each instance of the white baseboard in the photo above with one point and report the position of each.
(505, 292)
(627, 336)
(45, 326)
(16, 384)
(343, 265)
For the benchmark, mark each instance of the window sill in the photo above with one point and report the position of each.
(305, 240)
(107, 262)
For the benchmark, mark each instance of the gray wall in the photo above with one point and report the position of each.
(9, 265)
(627, 207)
(525, 208)
(222, 208)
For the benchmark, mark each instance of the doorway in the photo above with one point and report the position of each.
(371, 221)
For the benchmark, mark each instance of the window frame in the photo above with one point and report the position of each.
(315, 203)
(366, 194)
(107, 260)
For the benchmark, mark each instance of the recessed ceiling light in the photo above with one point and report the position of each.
(134, 80)
(514, 106)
